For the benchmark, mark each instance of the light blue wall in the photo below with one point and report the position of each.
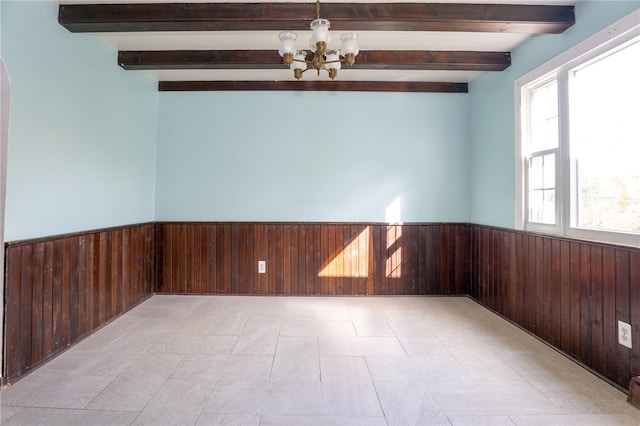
(1, 7)
(312, 156)
(491, 107)
(82, 131)
(82, 151)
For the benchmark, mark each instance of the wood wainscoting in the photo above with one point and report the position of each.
(313, 258)
(570, 293)
(61, 289)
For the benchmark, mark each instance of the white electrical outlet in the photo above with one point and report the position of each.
(262, 266)
(624, 334)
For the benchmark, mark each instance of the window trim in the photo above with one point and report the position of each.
(615, 34)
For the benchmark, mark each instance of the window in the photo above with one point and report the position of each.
(578, 140)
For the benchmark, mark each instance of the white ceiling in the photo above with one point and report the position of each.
(367, 40)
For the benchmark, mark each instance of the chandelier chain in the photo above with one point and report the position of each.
(318, 9)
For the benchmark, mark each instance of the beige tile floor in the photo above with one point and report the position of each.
(212, 360)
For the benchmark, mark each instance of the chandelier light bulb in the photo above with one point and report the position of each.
(349, 44)
(320, 28)
(287, 42)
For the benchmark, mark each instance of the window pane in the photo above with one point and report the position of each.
(542, 206)
(549, 176)
(536, 173)
(543, 124)
(542, 172)
(604, 98)
(542, 194)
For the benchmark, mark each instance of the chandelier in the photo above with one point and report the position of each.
(323, 59)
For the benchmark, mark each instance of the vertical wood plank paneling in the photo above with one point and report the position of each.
(348, 266)
(271, 259)
(183, 264)
(12, 312)
(160, 264)
(193, 275)
(191, 272)
(279, 259)
(98, 285)
(445, 252)
(634, 307)
(254, 256)
(421, 267)
(365, 254)
(413, 261)
(226, 254)
(55, 288)
(172, 274)
(565, 297)
(556, 293)
(294, 261)
(574, 276)
(65, 320)
(56, 296)
(26, 303)
(47, 301)
(437, 250)
(285, 254)
(503, 293)
(609, 322)
(211, 259)
(597, 349)
(354, 240)
(203, 258)
(571, 293)
(316, 252)
(512, 276)
(623, 311)
(579, 291)
(74, 292)
(324, 253)
(264, 255)
(375, 262)
(37, 303)
(585, 303)
(233, 265)
(538, 257)
(303, 284)
(116, 272)
(530, 285)
(252, 263)
(346, 249)
(125, 278)
(332, 259)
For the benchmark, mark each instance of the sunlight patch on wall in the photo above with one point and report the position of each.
(393, 264)
(392, 213)
(393, 267)
(352, 261)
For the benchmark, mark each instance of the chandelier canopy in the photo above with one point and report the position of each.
(323, 59)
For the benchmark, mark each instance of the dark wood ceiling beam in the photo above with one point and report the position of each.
(311, 85)
(296, 16)
(269, 59)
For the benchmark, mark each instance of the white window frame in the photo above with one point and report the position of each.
(614, 35)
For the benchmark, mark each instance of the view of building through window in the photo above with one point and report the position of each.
(604, 104)
(543, 143)
(580, 142)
